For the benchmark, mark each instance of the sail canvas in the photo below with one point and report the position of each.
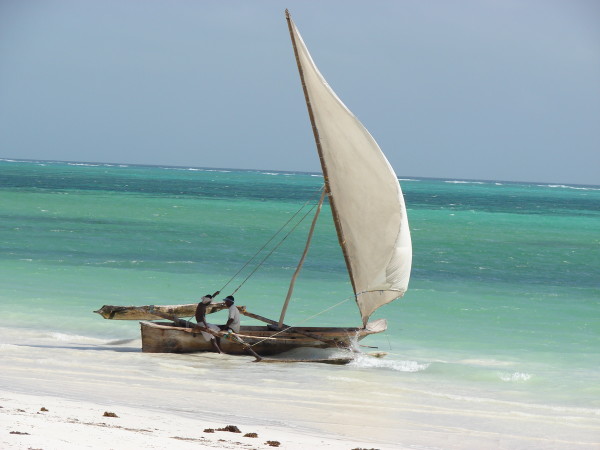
(366, 198)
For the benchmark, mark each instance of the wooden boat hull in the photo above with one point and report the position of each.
(166, 338)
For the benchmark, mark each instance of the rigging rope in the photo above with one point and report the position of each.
(268, 242)
(274, 248)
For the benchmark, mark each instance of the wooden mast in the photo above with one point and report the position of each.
(293, 281)
(336, 220)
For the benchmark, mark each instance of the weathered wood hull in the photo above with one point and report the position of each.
(166, 338)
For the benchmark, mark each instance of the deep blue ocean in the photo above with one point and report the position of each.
(504, 296)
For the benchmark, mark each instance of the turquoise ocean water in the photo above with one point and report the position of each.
(503, 303)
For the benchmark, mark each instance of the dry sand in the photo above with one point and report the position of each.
(33, 422)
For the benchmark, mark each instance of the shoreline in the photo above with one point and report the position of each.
(44, 422)
(166, 400)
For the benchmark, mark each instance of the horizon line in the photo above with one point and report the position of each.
(116, 164)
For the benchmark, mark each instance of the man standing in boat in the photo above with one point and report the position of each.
(201, 321)
(233, 321)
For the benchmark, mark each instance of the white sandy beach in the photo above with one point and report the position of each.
(167, 401)
(41, 422)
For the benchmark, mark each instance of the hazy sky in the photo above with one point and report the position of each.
(477, 89)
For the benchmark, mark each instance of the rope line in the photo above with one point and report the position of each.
(269, 241)
(274, 248)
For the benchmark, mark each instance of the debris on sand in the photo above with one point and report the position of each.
(230, 428)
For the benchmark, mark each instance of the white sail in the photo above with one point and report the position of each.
(365, 196)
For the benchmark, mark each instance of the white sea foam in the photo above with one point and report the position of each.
(565, 186)
(366, 361)
(185, 169)
(112, 261)
(515, 376)
(463, 182)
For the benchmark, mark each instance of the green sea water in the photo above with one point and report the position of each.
(504, 295)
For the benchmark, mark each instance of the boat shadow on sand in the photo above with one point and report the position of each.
(299, 355)
(112, 346)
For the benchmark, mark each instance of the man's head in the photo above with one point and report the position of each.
(229, 300)
(207, 299)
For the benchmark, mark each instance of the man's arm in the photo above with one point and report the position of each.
(230, 320)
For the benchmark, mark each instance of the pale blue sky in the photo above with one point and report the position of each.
(477, 89)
